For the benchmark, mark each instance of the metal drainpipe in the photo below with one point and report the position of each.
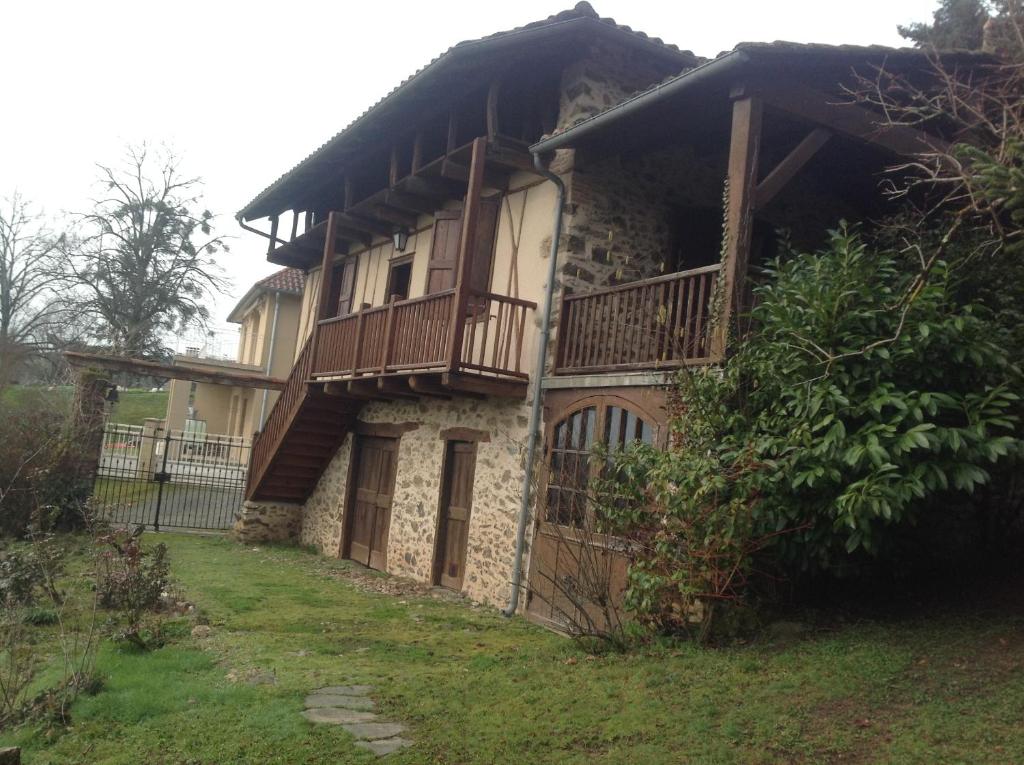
(270, 358)
(535, 384)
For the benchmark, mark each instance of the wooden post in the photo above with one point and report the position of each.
(467, 245)
(389, 334)
(492, 108)
(326, 279)
(357, 345)
(744, 152)
(272, 242)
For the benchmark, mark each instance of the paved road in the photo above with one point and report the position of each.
(181, 505)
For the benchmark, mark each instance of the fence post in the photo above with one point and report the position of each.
(161, 478)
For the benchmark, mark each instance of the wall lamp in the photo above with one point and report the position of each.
(401, 239)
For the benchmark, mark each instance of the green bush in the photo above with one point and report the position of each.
(862, 399)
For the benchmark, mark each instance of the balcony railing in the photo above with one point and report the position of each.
(415, 335)
(657, 323)
(265, 443)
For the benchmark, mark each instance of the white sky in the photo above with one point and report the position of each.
(244, 90)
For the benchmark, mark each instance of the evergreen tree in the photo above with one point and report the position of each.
(956, 24)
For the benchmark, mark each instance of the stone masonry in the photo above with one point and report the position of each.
(414, 509)
(267, 522)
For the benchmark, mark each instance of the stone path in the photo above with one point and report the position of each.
(351, 707)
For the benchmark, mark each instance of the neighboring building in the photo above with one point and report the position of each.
(269, 315)
(425, 229)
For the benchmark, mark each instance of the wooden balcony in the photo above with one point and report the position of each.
(659, 323)
(410, 344)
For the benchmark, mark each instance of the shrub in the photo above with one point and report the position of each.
(864, 397)
(131, 582)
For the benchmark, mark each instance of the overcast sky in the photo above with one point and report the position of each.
(243, 91)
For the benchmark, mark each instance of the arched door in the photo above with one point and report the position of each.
(571, 564)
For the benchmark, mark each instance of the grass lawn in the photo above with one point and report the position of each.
(132, 408)
(476, 688)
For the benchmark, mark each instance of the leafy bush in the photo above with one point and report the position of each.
(864, 397)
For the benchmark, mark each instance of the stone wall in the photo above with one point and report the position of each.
(414, 507)
(267, 522)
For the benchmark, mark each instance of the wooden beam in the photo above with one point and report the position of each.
(850, 119)
(493, 92)
(453, 130)
(179, 370)
(367, 225)
(366, 389)
(787, 169)
(486, 386)
(417, 153)
(430, 386)
(359, 236)
(438, 189)
(744, 153)
(491, 178)
(467, 241)
(410, 202)
(395, 388)
(398, 217)
(393, 166)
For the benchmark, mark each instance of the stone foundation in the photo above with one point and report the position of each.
(267, 522)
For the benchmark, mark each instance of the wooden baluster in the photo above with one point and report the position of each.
(388, 334)
(357, 345)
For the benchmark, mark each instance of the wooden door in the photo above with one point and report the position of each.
(370, 502)
(456, 505)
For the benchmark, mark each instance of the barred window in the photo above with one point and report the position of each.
(569, 466)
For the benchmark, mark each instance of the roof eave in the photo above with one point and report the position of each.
(257, 207)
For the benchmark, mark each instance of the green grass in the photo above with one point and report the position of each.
(475, 688)
(132, 407)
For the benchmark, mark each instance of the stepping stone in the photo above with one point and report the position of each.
(374, 730)
(383, 746)
(345, 702)
(345, 690)
(332, 716)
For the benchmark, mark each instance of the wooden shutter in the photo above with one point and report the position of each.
(345, 281)
(444, 251)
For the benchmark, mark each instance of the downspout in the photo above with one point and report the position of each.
(270, 359)
(535, 385)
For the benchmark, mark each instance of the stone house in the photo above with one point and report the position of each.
(268, 315)
(526, 238)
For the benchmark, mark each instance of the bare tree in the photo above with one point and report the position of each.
(143, 261)
(29, 284)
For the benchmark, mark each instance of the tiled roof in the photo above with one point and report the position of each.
(582, 10)
(286, 280)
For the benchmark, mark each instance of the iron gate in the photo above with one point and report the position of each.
(170, 479)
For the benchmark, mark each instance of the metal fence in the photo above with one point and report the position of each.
(172, 479)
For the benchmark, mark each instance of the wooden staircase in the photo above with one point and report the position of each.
(300, 437)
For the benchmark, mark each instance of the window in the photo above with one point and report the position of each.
(569, 463)
(399, 277)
